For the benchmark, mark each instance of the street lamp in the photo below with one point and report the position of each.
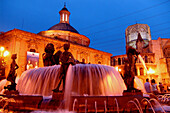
(3, 54)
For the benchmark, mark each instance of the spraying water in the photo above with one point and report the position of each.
(89, 79)
(92, 80)
(142, 61)
(38, 81)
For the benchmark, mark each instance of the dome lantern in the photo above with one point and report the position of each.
(64, 15)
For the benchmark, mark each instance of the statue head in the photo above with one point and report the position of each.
(14, 56)
(131, 50)
(66, 46)
(49, 48)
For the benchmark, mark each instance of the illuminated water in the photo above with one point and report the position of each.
(89, 79)
(38, 81)
(143, 62)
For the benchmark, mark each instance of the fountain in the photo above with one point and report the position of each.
(83, 81)
(88, 88)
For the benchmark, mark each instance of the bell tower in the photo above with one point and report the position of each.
(133, 32)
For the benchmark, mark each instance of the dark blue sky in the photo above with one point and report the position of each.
(102, 21)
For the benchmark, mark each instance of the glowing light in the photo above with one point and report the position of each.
(66, 17)
(6, 53)
(62, 17)
(116, 68)
(150, 71)
(120, 70)
(2, 48)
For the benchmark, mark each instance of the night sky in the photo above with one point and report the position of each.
(102, 21)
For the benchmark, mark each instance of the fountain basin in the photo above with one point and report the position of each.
(104, 103)
(20, 102)
(29, 103)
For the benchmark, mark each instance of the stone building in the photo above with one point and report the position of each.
(155, 54)
(161, 49)
(31, 46)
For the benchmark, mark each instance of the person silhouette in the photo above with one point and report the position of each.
(147, 86)
(154, 87)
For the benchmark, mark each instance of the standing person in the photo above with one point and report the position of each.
(147, 86)
(161, 87)
(154, 87)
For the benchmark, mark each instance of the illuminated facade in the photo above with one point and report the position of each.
(26, 44)
(155, 53)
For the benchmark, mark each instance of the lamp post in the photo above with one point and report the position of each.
(3, 54)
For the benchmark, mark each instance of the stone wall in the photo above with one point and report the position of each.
(19, 42)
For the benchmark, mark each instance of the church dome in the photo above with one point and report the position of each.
(64, 27)
(64, 31)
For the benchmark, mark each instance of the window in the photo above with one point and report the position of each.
(114, 62)
(66, 17)
(119, 61)
(63, 17)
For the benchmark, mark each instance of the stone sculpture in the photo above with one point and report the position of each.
(130, 68)
(48, 57)
(66, 59)
(12, 74)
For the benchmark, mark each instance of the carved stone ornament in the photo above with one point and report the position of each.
(32, 44)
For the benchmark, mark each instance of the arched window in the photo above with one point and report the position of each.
(66, 16)
(63, 17)
(114, 62)
(119, 61)
(99, 62)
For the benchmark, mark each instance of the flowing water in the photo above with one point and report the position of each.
(92, 80)
(38, 81)
(143, 62)
(81, 79)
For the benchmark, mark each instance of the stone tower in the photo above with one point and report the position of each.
(135, 32)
